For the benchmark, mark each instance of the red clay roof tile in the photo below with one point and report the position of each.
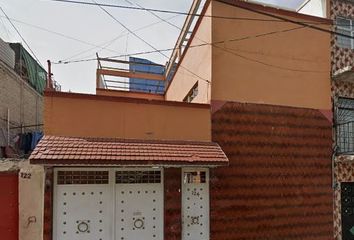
(54, 150)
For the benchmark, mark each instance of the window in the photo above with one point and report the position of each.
(345, 26)
(131, 177)
(345, 125)
(82, 177)
(191, 94)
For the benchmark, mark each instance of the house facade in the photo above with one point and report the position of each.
(239, 146)
(342, 62)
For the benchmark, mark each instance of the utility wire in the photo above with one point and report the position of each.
(60, 34)
(106, 44)
(147, 43)
(206, 44)
(179, 12)
(18, 32)
(230, 50)
(292, 21)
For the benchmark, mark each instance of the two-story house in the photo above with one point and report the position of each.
(239, 146)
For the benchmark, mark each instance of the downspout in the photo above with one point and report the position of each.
(8, 126)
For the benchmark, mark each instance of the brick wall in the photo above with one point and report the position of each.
(278, 184)
(172, 185)
(25, 104)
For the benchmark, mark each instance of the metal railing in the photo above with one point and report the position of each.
(123, 75)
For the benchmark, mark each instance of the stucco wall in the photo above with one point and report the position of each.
(31, 195)
(285, 68)
(25, 104)
(117, 93)
(82, 115)
(195, 67)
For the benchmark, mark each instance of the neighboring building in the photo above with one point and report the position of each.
(314, 7)
(248, 155)
(22, 83)
(146, 85)
(342, 59)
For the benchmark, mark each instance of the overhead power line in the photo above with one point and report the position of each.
(106, 44)
(292, 21)
(231, 51)
(147, 43)
(60, 34)
(24, 41)
(178, 12)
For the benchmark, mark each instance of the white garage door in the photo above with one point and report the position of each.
(97, 204)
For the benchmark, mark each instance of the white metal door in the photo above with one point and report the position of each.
(195, 204)
(82, 206)
(108, 204)
(139, 205)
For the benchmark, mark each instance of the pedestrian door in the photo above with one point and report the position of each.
(195, 204)
(108, 204)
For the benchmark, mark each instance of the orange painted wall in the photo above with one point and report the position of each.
(82, 115)
(290, 68)
(294, 68)
(198, 61)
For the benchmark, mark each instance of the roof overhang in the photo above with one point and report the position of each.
(345, 74)
(76, 151)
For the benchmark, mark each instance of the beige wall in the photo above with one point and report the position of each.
(31, 202)
(296, 63)
(81, 115)
(198, 61)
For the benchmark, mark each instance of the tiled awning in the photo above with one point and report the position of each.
(53, 150)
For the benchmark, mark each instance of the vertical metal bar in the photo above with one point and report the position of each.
(8, 126)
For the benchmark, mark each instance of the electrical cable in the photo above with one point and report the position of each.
(108, 43)
(177, 12)
(230, 50)
(147, 43)
(200, 45)
(60, 34)
(291, 21)
(18, 32)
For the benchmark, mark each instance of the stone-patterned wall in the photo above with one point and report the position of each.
(344, 172)
(341, 57)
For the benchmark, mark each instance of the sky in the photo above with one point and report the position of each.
(78, 32)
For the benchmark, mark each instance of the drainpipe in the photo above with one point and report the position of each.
(8, 126)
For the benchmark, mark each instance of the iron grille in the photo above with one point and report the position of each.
(132, 177)
(195, 177)
(344, 125)
(82, 177)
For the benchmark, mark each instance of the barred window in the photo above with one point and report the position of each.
(345, 125)
(345, 26)
(194, 177)
(132, 177)
(82, 177)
